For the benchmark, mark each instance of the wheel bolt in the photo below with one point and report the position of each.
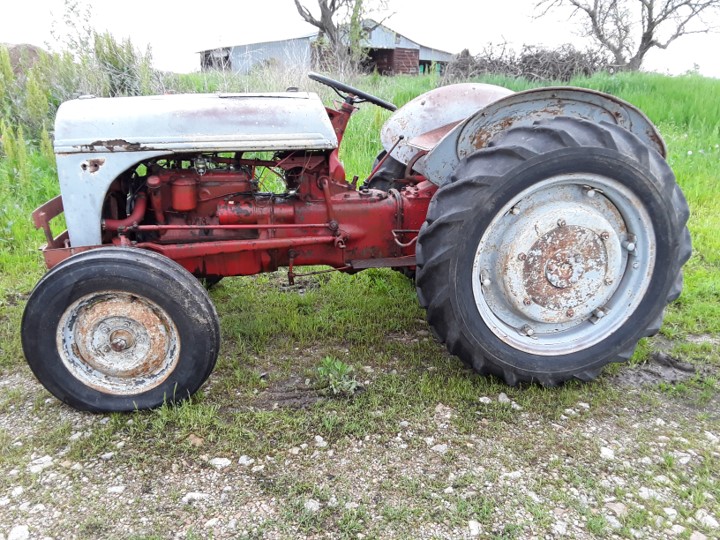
(570, 313)
(590, 193)
(605, 235)
(522, 257)
(608, 281)
(514, 210)
(118, 344)
(527, 330)
(599, 313)
(527, 301)
(630, 246)
(561, 222)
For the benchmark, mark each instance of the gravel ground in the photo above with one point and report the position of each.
(649, 468)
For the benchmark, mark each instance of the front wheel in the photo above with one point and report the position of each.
(553, 251)
(116, 329)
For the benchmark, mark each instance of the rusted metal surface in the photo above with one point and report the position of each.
(118, 343)
(194, 122)
(560, 266)
(432, 110)
(524, 109)
(43, 215)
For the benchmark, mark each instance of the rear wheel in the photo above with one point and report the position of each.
(553, 251)
(117, 329)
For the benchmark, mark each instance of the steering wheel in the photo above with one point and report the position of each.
(358, 95)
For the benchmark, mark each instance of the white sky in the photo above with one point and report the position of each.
(176, 30)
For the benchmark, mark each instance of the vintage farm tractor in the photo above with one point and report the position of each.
(545, 229)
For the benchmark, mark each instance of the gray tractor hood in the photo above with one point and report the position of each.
(194, 122)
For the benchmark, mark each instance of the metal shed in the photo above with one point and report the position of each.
(389, 53)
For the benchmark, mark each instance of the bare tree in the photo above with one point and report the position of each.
(340, 25)
(628, 29)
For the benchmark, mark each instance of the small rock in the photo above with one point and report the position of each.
(351, 505)
(195, 496)
(294, 450)
(107, 456)
(617, 508)
(194, 440)
(560, 528)
(706, 520)
(515, 406)
(404, 424)
(514, 475)
(670, 512)
(660, 422)
(583, 405)
(332, 502)
(677, 529)
(16, 492)
(210, 523)
(440, 448)
(320, 442)
(694, 536)
(613, 523)
(449, 490)
(39, 464)
(257, 468)
(607, 453)
(245, 460)
(19, 532)
(311, 505)
(120, 445)
(486, 401)
(502, 398)
(475, 528)
(116, 489)
(712, 437)
(220, 462)
(646, 494)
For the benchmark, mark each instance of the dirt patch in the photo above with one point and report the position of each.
(660, 368)
(293, 393)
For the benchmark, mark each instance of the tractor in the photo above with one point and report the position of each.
(544, 229)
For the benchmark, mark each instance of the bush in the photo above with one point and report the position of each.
(531, 63)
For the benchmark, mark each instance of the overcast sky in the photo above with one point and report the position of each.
(176, 30)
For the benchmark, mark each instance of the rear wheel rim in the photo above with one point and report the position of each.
(564, 264)
(118, 343)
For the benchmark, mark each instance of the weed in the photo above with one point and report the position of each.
(336, 377)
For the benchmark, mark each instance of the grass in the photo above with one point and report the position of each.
(367, 329)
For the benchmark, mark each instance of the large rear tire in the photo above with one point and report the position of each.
(116, 329)
(553, 251)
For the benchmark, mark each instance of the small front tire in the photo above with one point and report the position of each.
(118, 329)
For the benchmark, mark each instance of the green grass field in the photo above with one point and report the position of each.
(340, 331)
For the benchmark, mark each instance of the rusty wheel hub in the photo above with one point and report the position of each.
(117, 342)
(565, 253)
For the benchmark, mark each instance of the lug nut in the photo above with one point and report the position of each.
(570, 313)
(590, 193)
(527, 330)
(514, 210)
(599, 313)
(630, 246)
(522, 257)
(561, 222)
(527, 301)
(605, 235)
(608, 281)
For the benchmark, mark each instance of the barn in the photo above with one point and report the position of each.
(389, 53)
